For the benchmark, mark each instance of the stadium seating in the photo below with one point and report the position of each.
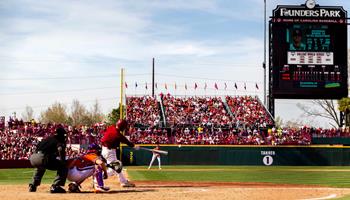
(239, 120)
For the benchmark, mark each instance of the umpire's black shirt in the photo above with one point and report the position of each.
(52, 147)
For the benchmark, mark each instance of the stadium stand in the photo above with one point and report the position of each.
(239, 120)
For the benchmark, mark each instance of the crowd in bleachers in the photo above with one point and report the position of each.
(18, 139)
(143, 111)
(205, 111)
(190, 121)
(248, 112)
(334, 132)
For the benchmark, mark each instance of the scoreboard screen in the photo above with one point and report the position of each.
(308, 56)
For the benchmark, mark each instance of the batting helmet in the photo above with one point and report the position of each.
(122, 124)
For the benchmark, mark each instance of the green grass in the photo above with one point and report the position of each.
(322, 176)
(20, 176)
(347, 197)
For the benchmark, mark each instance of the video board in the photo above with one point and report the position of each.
(308, 53)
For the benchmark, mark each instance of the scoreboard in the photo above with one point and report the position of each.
(308, 52)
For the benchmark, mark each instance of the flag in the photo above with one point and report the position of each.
(156, 86)
(216, 86)
(135, 84)
(225, 86)
(166, 87)
(146, 86)
(256, 85)
(126, 85)
(205, 86)
(185, 86)
(195, 86)
(175, 86)
(245, 87)
(236, 86)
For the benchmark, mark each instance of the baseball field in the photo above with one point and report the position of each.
(198, 182)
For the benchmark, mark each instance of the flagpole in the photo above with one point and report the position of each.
(153, 79)
(195, 90)
(121, 93)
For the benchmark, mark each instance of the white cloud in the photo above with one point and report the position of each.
(75, 38)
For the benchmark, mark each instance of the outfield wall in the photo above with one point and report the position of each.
(331, 140)
(230, 155)
(243, 155)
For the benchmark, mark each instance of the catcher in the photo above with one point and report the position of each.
(89, 164)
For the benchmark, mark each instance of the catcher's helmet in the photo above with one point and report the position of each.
(94, 148)
(122, 124)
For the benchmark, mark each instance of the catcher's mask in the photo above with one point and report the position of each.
(95, 148)
(61, 134)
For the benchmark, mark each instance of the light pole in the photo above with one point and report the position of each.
(264, 63)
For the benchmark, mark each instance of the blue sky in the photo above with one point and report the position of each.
(57, 51)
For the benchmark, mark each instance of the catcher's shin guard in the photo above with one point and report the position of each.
(98, 181)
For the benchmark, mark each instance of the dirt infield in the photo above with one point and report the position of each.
(146, 190)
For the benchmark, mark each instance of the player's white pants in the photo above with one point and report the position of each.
(111, 155)
(154, 156)
(79, 175)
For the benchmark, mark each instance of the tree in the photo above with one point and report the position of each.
(113, 116)
(28, 114)
(323, 108)
(56, 113)
(293, 123)
(278, 122)
(344, 106)
(96, 115)
(78, 114)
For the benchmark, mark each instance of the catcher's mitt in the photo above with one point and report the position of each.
(74, 188)
(116, 166)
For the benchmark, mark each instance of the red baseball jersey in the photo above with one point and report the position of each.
(112, 138)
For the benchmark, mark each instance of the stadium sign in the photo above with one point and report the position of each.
(286, 12)
(267, 159)
(308, 52)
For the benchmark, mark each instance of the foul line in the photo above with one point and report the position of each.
(322, 198)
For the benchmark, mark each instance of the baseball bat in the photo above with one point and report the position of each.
(154, 150)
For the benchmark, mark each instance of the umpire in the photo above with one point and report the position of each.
(50, 154)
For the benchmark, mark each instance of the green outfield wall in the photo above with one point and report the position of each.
(331, 140)
(242, 155)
